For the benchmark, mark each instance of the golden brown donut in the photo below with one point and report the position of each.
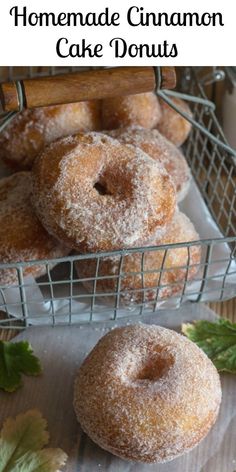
(147, 394)
(172, 125)
(137, 289)
(142, 109)
(159, 148)
(31, 130)
(22, 237)
(94, 193)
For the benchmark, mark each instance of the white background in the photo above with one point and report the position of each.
(196, 45)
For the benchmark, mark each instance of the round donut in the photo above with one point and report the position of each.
(159, 148)
(22, 237)
(136, 288)
(96, 194)
(142, 109)
(26, 135)
(172, 125)
(147, 394)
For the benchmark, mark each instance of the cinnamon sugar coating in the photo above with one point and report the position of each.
(146, 393)
(141, 109)
(26, 135)
(172, 125)
(159, 148)
(22, 237)
(94, 193)
(137, 289)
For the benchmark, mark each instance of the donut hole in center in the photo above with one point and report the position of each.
(154, 368)
(101, 187)
(114, 182)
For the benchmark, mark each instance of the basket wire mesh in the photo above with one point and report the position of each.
(60, 296)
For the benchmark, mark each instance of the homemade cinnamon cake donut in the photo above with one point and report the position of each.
(164, 274)
(142, 109)
(31, 130)
(22, 237)
(159, 148)
(172, 125)
(146, 393)
(94, 193)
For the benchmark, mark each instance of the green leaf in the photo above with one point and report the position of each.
(18, 436)
(47, 460)
(217, 340)
(16, 359)
(21, 445)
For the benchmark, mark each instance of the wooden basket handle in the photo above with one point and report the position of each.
(80, 86)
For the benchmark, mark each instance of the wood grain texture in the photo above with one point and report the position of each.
(168, 78)
(225, 309)
(87, 85)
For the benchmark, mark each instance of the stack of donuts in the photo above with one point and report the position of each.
(100, 176)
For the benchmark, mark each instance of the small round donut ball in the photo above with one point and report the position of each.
(147, 394)
(172, 125)
(96, 194)
(159, 148)
(142, 109)
(22, 237)
(137, 289)
(26, 135)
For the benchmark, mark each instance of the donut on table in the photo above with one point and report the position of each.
(136, 288)
(95, 194)
(159, 148)
(172, 125)
(31, 130)
(142, 109)
(22, 237)
(147, 394)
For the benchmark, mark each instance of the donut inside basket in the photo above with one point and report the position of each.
(104, 185)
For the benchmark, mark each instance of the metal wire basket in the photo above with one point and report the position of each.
(60, 297)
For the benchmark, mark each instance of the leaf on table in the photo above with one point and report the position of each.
(16, 359)
(47, 460)
(217, 340)
(21, 445)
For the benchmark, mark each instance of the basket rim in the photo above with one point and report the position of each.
(120, 252)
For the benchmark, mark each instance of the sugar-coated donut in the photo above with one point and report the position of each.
(31, 130)
(94, 193)
(22, 237)
(147, 394)
(142, 109)
(159, 148)
(136, 288)
(172, 125)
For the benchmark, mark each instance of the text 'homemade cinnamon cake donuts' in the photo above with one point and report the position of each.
(31, 130)
(94, 193)
(22, 237)
(147, 394)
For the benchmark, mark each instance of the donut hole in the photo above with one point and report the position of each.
(113, 182)
(154, 368)
(101, 188)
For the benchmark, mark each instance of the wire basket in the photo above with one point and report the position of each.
(65, 296)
